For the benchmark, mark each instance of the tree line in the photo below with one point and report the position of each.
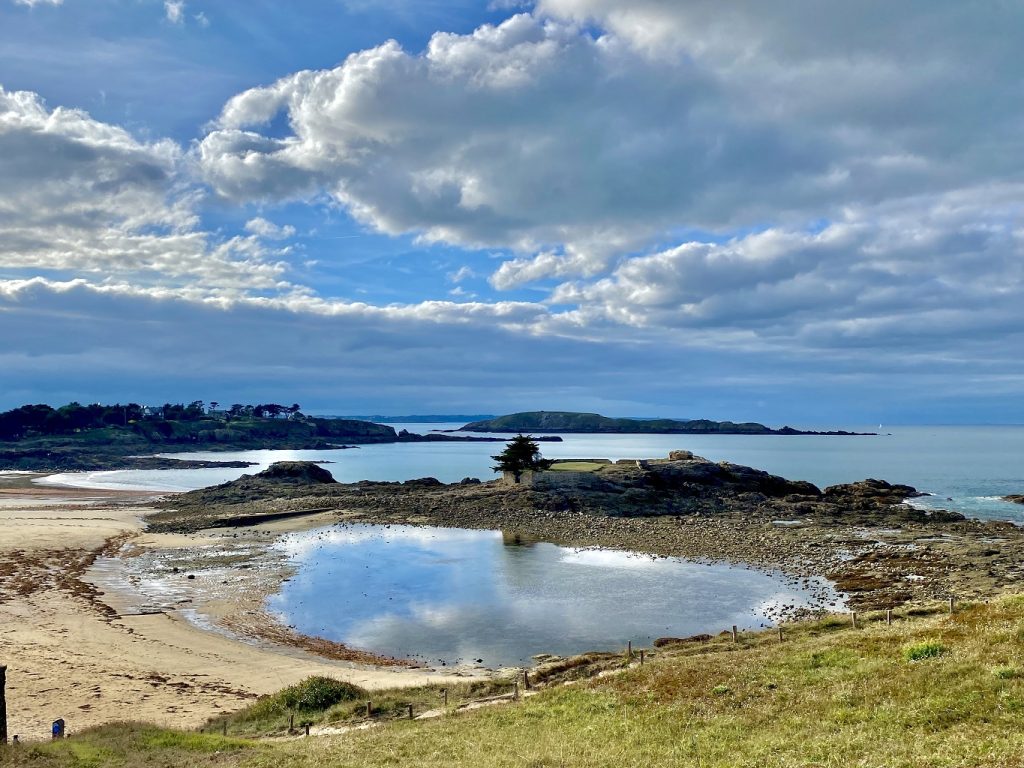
(43, 420)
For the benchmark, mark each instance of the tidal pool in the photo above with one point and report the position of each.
(452, 596)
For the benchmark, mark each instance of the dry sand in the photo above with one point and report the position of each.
(86, 654)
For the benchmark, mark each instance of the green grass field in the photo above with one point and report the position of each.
(932, 690)
(576, 466)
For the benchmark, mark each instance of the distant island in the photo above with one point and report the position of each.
(587, 423)
(77, 437)
(429, 418)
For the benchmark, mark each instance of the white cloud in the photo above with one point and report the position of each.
(938, 272)
(174, 10)
(268, 229)
(462, 273)
(33, 3)
(84, 197)
(574, 149)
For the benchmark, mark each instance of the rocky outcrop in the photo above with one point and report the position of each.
(294, 472)
(1015, 498)
(684, 486)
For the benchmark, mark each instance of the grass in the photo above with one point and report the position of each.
(576, 466)
(321, 701)
(926, 649)
(829, 695)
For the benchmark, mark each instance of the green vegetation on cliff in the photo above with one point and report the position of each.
(76, 437)
(828, 695)
(569, 421)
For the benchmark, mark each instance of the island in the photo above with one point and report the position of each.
(82, 438)
(593, 423)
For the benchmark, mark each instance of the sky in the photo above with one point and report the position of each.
(805, 212)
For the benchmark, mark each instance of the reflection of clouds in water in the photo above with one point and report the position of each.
(608, 558)
(447, 594)
(471, 631)
(440, 540)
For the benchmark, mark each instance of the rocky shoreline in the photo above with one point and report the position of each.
(877, 549)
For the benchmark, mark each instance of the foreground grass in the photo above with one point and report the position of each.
(336, 704)
(928, 691)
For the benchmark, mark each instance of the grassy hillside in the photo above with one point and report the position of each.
(931, 690)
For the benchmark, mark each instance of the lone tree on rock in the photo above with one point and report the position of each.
(520, 454)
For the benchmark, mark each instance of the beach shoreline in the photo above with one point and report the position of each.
(79, 648)
(102, 617)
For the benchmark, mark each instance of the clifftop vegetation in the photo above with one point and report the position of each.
(87, 437)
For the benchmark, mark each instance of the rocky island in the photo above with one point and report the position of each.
(877, 549)
(593, 423)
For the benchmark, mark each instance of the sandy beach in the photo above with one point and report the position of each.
(80, 643)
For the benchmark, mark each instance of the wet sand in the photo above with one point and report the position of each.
(82, 644)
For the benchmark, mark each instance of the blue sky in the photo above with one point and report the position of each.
(808, 214)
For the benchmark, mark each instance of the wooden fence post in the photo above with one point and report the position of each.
(629, 650)
(410, 711)
(526, 680)
(735, 637)
(225, 730)
(369, 709)
(888, 616)
(641, 657)
(951, 601)
(853, 617)
(3, 705)
(780, 633)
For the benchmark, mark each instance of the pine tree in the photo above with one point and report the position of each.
(520, 455)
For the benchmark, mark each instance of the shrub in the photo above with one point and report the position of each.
(1006, 673)
(927, 649)
(316, 694)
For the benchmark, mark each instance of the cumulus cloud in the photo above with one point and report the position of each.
(85, 197)
(268, 229)
(574, 149)
(495, 138)
(865, 282)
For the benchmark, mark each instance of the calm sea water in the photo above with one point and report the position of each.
(967, 468)
(456, 596)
